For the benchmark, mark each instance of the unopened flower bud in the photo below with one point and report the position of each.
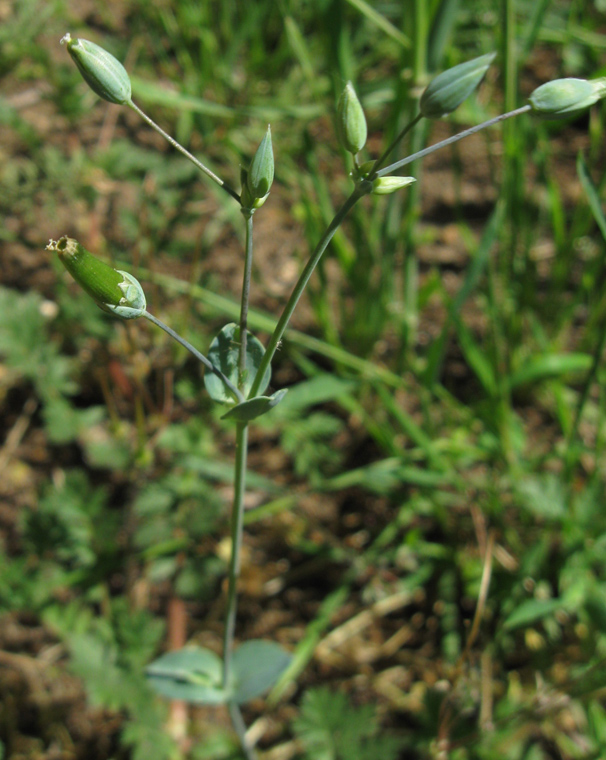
(351, 122)
(563, 98)
(449, 89)
(104, 74)
(112, 289)
(261, 172)
(387, 185)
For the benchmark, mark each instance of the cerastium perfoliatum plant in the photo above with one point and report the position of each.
(238, 366)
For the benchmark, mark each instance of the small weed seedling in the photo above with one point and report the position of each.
(237, 366)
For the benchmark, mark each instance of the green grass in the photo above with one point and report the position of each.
(437, 409)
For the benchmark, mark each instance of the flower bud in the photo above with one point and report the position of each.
(261, 172)
(104, 74)
(351, 122)
(113, 290)
(387, 185)
(562, 98)
(449, 89)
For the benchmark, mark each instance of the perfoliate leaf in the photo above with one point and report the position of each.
(192, 674)
(257, 665)
(223, 353)
(255, 407)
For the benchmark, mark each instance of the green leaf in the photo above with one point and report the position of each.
(257, 665)
(592, 194)
(476, 357)
(543, 495)
(223, 353)
(532, 611)
(595, 607)
(549, 366)
(255, 407)
(330, 727)
(192, 674)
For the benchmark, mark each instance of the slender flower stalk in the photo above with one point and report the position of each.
(450, 140)
(203, 359)
(184, 151)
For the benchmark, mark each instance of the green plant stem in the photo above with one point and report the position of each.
(248, 251)
(307, 272)
(240, 729)
(237, 523)
(185, 152)
(450, 140)
(589, 380)
(237, 513)
(403, 132)
(205, 361)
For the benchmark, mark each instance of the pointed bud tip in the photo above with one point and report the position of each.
(388, 185)
(351, 121)
(260, 174)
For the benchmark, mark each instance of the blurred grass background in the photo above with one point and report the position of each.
(440, 455)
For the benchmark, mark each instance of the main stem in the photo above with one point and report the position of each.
(237, 515)
(237, 523)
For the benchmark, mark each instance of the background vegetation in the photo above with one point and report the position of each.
(427, 524)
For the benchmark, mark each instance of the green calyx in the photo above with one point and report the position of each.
(260, 175)
(112, 289)
(351, 122)
(563, 98)
(103, 73)
(449, 89)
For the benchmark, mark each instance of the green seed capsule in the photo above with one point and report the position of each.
(449, 89)
(261, 172)
(387, 185)
(563, 98)
(351, 122)
(112, 289)
(104, 74)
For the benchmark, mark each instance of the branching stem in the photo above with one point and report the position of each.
(297, 292)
